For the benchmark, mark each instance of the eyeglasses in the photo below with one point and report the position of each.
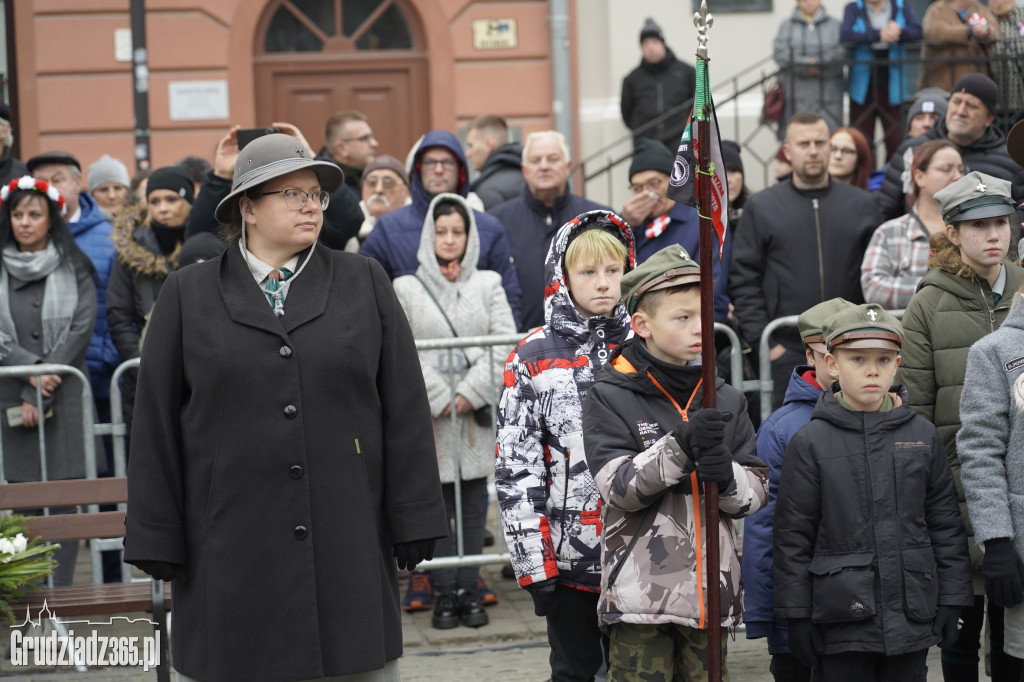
(447, 164)
(653, 185)
(362, 138)
(295, 199)
(375, 180)
(843, 151)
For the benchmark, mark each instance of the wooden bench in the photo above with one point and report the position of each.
(87, 600)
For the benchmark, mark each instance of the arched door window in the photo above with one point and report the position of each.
(338, 26)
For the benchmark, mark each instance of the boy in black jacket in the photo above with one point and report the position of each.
(870, 558)
(650, 446)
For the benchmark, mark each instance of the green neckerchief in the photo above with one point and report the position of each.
(886, 403)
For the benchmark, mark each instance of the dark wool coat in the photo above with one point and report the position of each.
(278, 460)
(868, 537)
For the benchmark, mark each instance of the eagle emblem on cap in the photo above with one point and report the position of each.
(873, 315)
(981, 187)
(683, 254)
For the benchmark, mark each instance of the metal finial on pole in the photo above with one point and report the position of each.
(703, 20)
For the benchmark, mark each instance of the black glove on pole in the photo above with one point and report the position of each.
(408, 554)
(704, 430)
(1003, 572)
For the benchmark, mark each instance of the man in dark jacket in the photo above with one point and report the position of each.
(798, 243)
(968, 125)
(349, 144)
(342, 218)
(661, 83)
(532, 218)
(497, 160)
(439, 166)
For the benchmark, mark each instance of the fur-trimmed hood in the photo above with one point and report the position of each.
(137, 247)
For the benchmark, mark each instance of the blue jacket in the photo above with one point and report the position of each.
(857, 31)
(772, 438)
(684, 229)
(396, 236)
(93, 233)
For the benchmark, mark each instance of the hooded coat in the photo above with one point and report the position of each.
(501, 178)
(651, 90)
(475, 305)
(94, 236)
(810, 57)
(946, 316)
(395, 239)
(773, 436)
(277, 461)
(652, 539)
(991, 439)
(868, 562)
(549, 504)
(986, 155)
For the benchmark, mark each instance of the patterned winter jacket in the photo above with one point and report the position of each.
(653, 567)
(549, 504)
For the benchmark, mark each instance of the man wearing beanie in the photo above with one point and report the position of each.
(109, 183)
(10, 167)
(658, 221)
(385, 187)
(957, 39)
(929, 107)
(967, 124)
(661, 83)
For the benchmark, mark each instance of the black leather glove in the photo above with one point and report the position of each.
(946, 626)
(804, 640)
(160, 570)
(543, 593)
(1003, 572)
(704, 430)
(408, 554)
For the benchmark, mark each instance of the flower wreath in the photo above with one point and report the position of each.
(28, 182)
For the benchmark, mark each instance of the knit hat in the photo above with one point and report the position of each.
(863, 326)
(173, 178)
(973, 197)
(651, 155)
(651, 30)
(928, 101)
(731, 156)
(108, 169)
(202, 246)
(669, 267)
(389, 162)
(982, 87)
(812, 320)
(59, 157)
(1015, 143)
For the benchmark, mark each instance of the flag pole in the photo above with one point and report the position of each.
(703, 21)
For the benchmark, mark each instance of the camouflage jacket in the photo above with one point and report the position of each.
(550, 507)
(653, 567)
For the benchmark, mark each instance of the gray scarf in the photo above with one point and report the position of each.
(60, 295)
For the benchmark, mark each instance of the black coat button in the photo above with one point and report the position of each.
(35, 335)
(301, 532)
(290, 411)
(286, 352)
(295, 471)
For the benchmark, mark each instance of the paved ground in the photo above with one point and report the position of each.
(511, 647)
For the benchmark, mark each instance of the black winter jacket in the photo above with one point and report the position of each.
(987, 155)
(795, 249)
(652, 89)
(501, 178)
(868, 536)
(530, 226)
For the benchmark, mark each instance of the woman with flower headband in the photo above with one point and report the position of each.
(47, 312)
(282, 451)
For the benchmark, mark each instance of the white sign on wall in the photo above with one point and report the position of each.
(198, 100)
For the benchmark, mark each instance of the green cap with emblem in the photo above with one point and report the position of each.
(812, 320)
(670, 267)
(863, 326)
(975, 196)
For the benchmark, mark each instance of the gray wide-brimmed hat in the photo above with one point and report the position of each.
(272, 156)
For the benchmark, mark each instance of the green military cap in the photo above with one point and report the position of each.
(975, 196)
(811, 321)
(669, 267)
(863, 326)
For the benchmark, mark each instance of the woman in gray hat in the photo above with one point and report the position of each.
(282, 455)
(965, 295)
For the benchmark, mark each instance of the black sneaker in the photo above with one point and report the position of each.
(470, 612)
(446, 612)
